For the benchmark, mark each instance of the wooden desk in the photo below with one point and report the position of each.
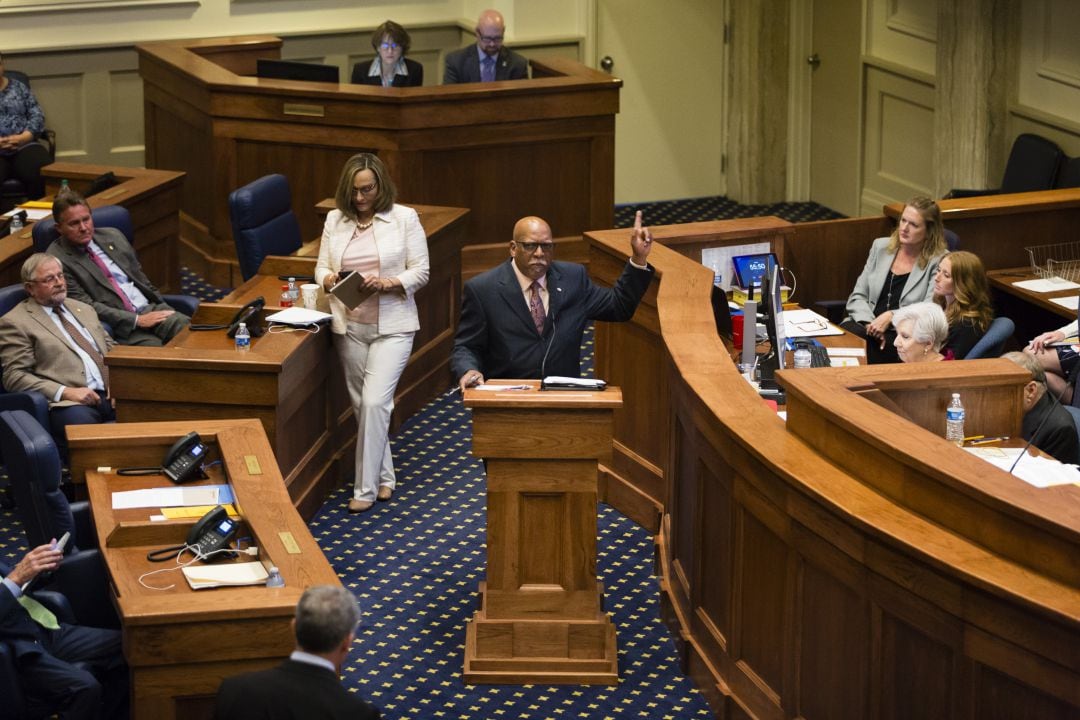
(1032, 312)
(151, 196)
(849, 563)
(544, 146)
(178, 642)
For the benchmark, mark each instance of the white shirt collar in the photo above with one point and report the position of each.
(309, 659)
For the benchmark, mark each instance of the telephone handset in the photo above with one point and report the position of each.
(251, 315)
(213, 532)
(184, 461)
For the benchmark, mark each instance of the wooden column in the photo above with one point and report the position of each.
(540, 619)
(976, 39)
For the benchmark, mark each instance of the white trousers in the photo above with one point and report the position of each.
(373, 365)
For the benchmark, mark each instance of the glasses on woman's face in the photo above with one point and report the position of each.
(389, 46)
(367, 189)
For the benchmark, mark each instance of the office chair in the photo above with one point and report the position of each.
(33, 465)
(44, 233)
(833, 310)
(13, 190)
(263, 222)
(1069, 174)
(991, 344)
(1033, 165)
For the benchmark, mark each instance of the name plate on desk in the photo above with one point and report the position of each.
(304, 109)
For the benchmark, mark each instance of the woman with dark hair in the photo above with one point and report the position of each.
(898, 272)
(21, 121)
(390, 68)
(369, 234)
(961, 289)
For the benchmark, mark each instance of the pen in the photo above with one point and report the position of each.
(991, 440)
(973, 437)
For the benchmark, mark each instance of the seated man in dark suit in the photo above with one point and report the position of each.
(525, 318)
(487, 60)
(306, 685)
(1057, 434)
(76, 671)
(102, 271)
(54, 345)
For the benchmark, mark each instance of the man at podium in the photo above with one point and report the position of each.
(525, 318)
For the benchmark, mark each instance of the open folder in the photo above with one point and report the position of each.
(200, 577)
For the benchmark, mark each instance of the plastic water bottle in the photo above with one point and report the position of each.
(274, 579)
(294, 291)
(16, 225)
(802, 356)
(717, 276)
(954, 421)
(243, 338)
(286, 297)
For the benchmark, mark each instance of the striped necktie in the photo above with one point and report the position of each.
(85, 345)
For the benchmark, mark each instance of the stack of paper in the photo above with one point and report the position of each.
(200, 577)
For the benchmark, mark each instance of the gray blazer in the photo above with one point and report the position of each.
(918, 288)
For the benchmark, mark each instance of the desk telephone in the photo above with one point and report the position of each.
(213, 532)
(183, 462)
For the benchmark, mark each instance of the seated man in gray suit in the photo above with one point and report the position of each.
(102, 271)
(56, 346)
(487, 60)
(307, 684)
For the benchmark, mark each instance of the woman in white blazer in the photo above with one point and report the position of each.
(384, 242)
(899, 271)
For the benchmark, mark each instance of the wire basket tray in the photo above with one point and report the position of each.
(1060, 260)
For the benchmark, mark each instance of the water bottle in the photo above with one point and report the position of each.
(243, 338)
(294, 291)
(16, 225)
(286, 297)
(954, 421)
(802, 356)
(274, 579)
(717, 276)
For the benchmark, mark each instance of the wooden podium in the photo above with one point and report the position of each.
(540, 617)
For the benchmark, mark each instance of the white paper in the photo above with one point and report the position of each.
(843, 362)
(165, 497)
(807, 323)
(1042, 472)
(841, 352)
(298, 316)
(200, 577)
(1043, 286)
(1067, 302)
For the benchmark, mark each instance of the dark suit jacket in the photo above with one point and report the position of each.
(86, 283)
(415, 78)
(496, 334)
(1058, 435)
(16, 627)
(290, 691)
(463, 66)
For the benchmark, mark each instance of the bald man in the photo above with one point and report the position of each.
(487, 60)
(525, 318)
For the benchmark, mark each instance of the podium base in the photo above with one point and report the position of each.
(516, 651)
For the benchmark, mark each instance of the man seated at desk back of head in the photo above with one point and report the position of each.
(54, 345)
(102, 270)
(487, 60)
(76, 671)
(525, 318)
(307, 685)
(1058, 434)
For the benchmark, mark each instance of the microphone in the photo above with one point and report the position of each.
(1046, 416)
(551, 340)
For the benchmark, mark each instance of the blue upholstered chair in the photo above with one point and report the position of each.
(114, 216)
(993, 342)
(33, 464)
(1033, 165)
(263, 222)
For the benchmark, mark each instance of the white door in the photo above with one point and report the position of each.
(669, 133)
(835, 133)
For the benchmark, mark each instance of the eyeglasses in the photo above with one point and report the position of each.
(489, 38)
(50, 279)
(367, 189)
(809, 326)
(530, 247)
(389, 46)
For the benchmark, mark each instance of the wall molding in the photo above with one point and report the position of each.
(909, 23)
(13, 7)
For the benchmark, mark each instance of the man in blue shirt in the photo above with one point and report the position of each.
(487, 60)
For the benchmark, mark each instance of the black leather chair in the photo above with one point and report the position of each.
(33, 464)
(114, 216)
(1033, 165)
(13, 191)
(263, 222)
(1069, 174)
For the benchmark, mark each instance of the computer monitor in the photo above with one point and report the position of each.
(292, 70)
(772, 311)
